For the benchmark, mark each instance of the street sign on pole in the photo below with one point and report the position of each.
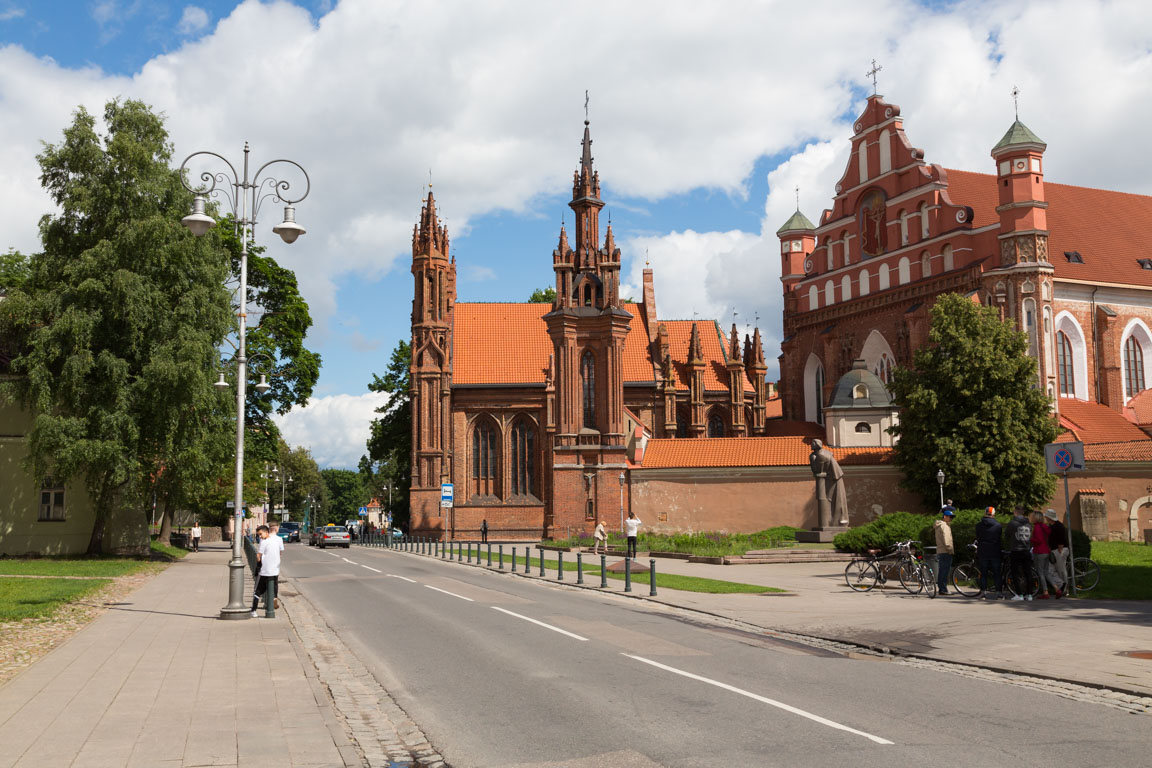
(1064, 457)
(363, 511)
(446, 495)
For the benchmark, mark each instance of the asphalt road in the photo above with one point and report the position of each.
(504, 671)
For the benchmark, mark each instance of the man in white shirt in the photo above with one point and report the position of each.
(268, 555)
(632, 528)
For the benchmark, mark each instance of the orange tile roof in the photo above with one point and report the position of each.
(715, 358)
(774, 408)
(500, 343)
(1108, 228)
(1093, 422)
(1139, 408)
(748, 452)
(637, 358)
(1135, 450)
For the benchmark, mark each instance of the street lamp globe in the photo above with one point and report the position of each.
(221, 383)
(198, 222)
(940, 476)
(263, 386)
(288, 229)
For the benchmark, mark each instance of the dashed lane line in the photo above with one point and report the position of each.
(757, 697)
(450, 593)
(410, 581)
(540, 623)
(370, 568)
(349, 561)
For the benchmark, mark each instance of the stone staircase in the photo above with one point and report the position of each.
(789, 555)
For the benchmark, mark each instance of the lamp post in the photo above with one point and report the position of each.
(244, 199)
(285, 478)
(940, 480)
(621, 502)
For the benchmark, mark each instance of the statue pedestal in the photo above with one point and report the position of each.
(821, 535)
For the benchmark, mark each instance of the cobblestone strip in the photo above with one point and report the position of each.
(383, 733)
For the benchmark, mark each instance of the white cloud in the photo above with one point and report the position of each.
(334, 428)
(11, 13)
(193, 20)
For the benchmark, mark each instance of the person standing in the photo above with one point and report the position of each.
(944, 549)
(632, 528)
(988, 547)
(1020, 554)
(484, 530)
(268, 556)
(1058, 553)
(600, 536)
(1040, 550)
(196, 534)
(948, 506)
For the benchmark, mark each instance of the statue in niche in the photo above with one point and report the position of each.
(870, 220)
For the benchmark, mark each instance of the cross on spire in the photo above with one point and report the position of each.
(585, 106)
(872, 74)
(1016, 100)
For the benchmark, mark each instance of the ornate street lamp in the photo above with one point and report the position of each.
(940, 480)
(244, 199)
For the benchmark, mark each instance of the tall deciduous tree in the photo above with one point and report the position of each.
(390, 441)
(971, 406)
(14, 270)
(346, 494)
(543, 295)
(119, 318)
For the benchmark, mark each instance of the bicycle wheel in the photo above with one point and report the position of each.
(861, 575)
(1087, 574)
(966, 579)
(910, 577)
(928, 581)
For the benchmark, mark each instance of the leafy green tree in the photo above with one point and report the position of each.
(14, 270)
(389, 460)
(119, 319)
(543, 295)
(971, 407)
(346, 494)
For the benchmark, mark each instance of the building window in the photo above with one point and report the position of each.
(883, 369)
(51, 501)
(1133, 366)
(813, 298)
(820, 395)
(523, 458)
(1064, 365)
(864, 428)
(715, 425)
(588, 388)
(484, 459)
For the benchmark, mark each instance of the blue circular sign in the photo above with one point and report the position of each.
(1062, 459)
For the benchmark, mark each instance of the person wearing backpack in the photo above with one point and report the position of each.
(988, 552)
(1019, 533)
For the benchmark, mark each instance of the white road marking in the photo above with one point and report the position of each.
(542, 624)
(349, 561)
(370, 568)
(764, 699)
(450, 593)
(410, 581)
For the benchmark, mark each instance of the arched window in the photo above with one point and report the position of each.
(882, 279)
(846, 288)
(485, 458)
(715, 425)
(948, 259)
(864, 428)
(923, 221)
(830, 255)
(864, 286)
(862, 155)
(903, 228)
(925, 264)
(813, 298)
(905, 270)
(1065, 365)
(588, 389)
(885, 151)
(523, 458)
(1133, 366)
(829, 293)
(820, 396)
(587, 294)
(681, 423)
(844, 246)
(813, 389)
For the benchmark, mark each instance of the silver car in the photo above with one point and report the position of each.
(334, 536)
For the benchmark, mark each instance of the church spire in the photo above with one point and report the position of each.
(586, 203)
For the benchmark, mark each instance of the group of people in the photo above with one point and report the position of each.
(268, 556)
(632, 532)
(1035, 540)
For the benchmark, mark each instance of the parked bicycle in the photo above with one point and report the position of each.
(862, 574)
(966, 576)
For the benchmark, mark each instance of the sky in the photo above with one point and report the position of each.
(705, 118)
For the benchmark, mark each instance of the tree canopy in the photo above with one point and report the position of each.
(346, 494)
(971, 406)
(389, 459)
(543, 295)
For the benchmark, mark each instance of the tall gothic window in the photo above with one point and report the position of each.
(715, 425)
(523, 458)
(819, 385)
(588, 388)
(681, 423)
(1064, 365)
(484, 459)
(1133, 366)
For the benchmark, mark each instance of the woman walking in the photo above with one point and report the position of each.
(1040, 550)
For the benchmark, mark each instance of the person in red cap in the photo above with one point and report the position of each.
(988, 544)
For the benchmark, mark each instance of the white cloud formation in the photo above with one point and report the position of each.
(193, 20)
(11, 13)
(334, 428)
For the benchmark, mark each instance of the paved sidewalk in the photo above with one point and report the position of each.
(1079, 641)
(159, 681)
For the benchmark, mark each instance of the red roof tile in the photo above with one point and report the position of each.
(774, 408)
(1107, 228)
(1093, 422)
(1139, 408)
(1136, 450)
(500, 343)
(712, 342)
(748, 452)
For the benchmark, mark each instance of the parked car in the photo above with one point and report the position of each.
(289, 532)
(314, 537)
(397, 533)
(334, 536)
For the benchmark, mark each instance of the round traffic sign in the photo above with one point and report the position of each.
(1062, 459)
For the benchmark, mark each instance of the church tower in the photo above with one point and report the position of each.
(587, 326)
(434, 277)
(1021, 286)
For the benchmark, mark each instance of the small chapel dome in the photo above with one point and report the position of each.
(860, 388)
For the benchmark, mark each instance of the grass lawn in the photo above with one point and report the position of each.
(592, 571)
(37, 598)
(1125, 570)
(173, 553)
(702, 544)
(73, 566)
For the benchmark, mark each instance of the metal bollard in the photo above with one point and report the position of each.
(460, 552)
(513, 559)
(603, 572)
(489, 554)
(559, 566)
(501, 557)
(579, 567)
(469, 553)
(652, 577)
(540, 551)
(270, 600)
(627, 574)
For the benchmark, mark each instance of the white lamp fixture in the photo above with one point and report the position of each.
(221, 383)
(198, 222)
(263, 386)
(288, 229)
